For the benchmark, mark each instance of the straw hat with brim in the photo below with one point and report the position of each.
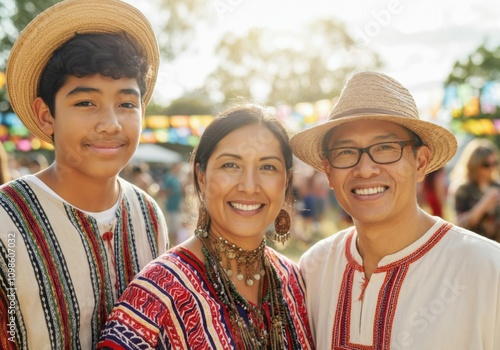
(55, 26)
(375, 96)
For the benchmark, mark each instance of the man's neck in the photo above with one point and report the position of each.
(375, 241)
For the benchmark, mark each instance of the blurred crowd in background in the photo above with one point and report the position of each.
(466, 192)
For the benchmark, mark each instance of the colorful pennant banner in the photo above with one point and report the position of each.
(469, 110)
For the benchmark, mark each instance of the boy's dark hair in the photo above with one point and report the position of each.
(113, 55)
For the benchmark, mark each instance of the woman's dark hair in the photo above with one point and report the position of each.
(113, 55)
(231, 120)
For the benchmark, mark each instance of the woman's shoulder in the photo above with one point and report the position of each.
(177, 263)
(277, 257)
(283, 264)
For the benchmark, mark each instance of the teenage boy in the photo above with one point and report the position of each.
(74, 235)
(399, 278)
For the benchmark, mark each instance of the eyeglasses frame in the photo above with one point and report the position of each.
(366, 150)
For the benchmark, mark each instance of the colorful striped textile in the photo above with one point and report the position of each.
(58, 278)
(172, 305)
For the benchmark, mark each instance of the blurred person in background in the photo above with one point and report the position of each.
(174, 192)
(36, 163)
(475, 188)
(433, 192)
(314, 200)
(4, 165)
(142, 178)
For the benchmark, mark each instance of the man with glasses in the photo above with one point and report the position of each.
(399, 278)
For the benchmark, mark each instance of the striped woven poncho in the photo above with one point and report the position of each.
(58, 278)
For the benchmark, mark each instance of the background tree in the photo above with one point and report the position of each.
(180, 21)
(186, 105)
(306, 64)
(14, 16)
(480, 66)
(175, 31)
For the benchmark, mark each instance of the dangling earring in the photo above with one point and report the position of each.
(282, 225)
(202, 225)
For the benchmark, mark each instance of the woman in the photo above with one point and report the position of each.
(224, 288)
(476, 188)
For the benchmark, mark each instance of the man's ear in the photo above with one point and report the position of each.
(43, 117)
(328, 169)
(423, 158)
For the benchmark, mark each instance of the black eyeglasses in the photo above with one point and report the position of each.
(490, 165)
(380, 153)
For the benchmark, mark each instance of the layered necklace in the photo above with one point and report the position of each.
(254, 333)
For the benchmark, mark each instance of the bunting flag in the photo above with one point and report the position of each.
(2, 80)
(180, 129)
(463, 109)
(472, 110)
(490, 98)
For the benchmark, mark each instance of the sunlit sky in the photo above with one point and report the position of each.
(419, 40)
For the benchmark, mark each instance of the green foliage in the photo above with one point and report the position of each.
(306, 64)
(175, 32)
(180, 20)
(182, 106)
(14, 16)
(14, 19)
(479, 67)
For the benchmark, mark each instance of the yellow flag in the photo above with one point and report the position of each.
(2, 80)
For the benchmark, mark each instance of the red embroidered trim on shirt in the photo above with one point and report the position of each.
(387, 300)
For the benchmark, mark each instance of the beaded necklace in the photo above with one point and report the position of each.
(254, 333)
(242, 257)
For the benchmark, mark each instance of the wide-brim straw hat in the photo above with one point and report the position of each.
(375, 96)
(55, 26)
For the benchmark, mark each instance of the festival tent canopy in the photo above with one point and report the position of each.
(152, 153)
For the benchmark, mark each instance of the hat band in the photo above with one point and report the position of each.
(363, 111)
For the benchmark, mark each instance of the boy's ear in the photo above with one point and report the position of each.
(43, 117)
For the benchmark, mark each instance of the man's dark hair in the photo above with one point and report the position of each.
(112, 55)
